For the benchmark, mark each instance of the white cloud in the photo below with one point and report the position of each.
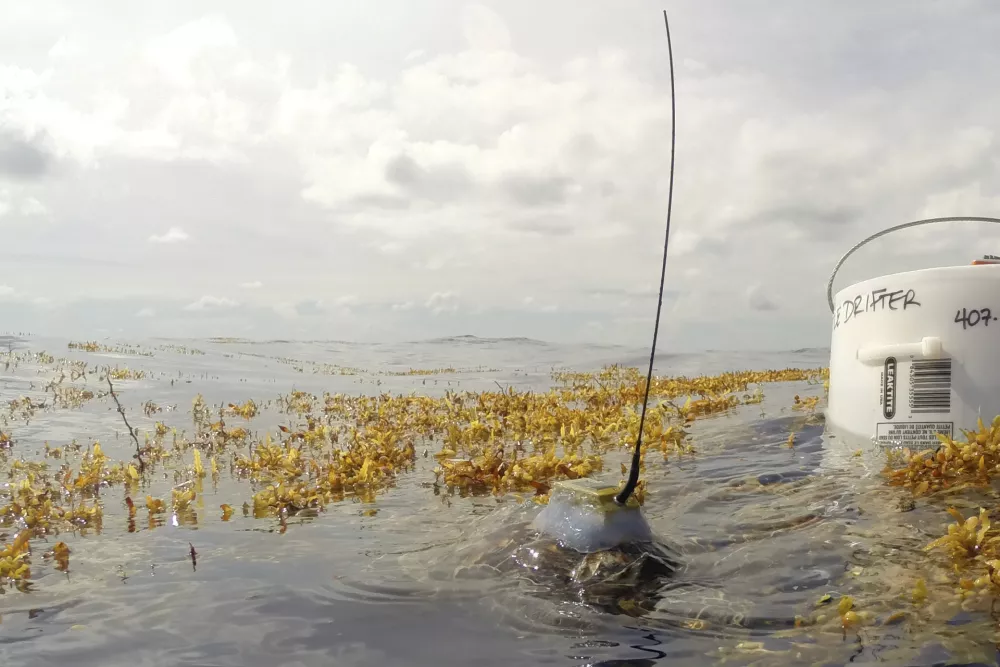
(347, 301)
(16, 206)
(286, 311)
(177, 53)
(391, 248)
(484, 29)
(209, 302)
(442, 302)
(496, 154)
(146, 312)
(529, 303)
(66, 47)
(31, 207)
(173, 235)
(10, 295)
(965, 199)
(44, 304)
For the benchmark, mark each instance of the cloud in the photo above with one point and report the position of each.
(23, 157)
(552, 226)
(484, 29)
(529, 303)
(442, 302)
(285, 310)
(146, 312)
(758, 300)
(16, 206)
(311, 307)
(508, 151)
(177, 53)
(209, 302)
(391, 248)
(528, 190)
(173, 235)
(31, 207)
(347, 301)
(439, 183)
(12, 297)
(66, 47)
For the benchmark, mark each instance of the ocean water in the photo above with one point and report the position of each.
(765, 531)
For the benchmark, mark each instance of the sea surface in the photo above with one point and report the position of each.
(765, 531)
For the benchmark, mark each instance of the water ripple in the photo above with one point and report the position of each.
(763, 530)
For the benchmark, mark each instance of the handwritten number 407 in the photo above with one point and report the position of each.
(970, 318)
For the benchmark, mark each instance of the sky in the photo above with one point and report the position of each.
(396, 171)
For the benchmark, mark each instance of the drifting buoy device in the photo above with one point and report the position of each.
(582, 514)
(585, 514)
(916, 353)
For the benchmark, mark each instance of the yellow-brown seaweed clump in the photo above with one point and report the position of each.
(973, 548)
(14, 559)
(335, 446)
(950, 466)
(966, 538)
(972, 544)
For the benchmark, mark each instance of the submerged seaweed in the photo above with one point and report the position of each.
(351, 443)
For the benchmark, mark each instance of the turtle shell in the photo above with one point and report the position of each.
(601, 578)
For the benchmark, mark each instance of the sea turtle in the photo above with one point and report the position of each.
(621, 579)
(630, 570)
(503, 559)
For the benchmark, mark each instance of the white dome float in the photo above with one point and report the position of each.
(916, 353)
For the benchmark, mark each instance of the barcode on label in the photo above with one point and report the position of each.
(930, 385)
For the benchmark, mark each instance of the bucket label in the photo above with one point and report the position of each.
(875, 301)
(930, 386)
(914, 435)
(889, 388)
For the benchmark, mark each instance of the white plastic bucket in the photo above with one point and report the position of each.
(915, 354)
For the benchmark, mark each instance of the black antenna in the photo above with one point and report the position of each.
(633, 473)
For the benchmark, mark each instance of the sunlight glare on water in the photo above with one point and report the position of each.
(421, 576)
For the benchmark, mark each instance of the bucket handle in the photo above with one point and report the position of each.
(929, 347)
(829, 284)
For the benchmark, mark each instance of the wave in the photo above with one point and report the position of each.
(469, 339)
